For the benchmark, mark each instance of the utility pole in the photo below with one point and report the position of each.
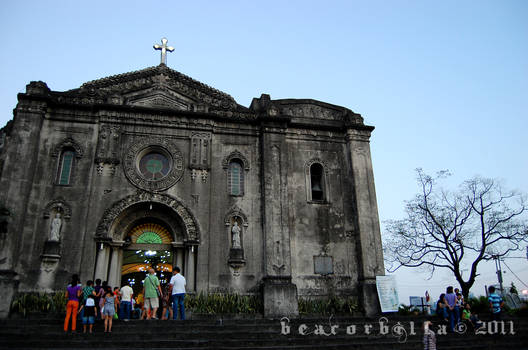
(499, 270)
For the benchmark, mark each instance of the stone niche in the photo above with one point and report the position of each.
(236, 225)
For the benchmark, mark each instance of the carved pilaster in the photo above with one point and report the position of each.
(107, 157)
(200, 155)
(280, 294)
(369, 248)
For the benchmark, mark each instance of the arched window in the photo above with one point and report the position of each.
(317, 183)
(65, 167)
(235, 178)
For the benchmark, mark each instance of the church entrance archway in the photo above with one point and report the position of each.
(139, 232)
(149, 246)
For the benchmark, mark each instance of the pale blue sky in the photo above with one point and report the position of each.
(444, 82)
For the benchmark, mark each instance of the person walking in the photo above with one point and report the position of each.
(152, 292)
(126, 301)
(177, 287)
(73, 293)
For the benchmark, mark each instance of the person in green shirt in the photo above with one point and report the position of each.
(152, 293)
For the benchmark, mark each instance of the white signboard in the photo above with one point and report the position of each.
(387, 293)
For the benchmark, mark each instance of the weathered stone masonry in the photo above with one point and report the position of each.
(294, 176)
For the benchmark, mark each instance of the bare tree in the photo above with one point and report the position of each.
(455, 230)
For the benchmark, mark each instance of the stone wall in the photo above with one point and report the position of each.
(287, 236)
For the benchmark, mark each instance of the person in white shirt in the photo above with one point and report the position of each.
(126, 302)
(177, 287)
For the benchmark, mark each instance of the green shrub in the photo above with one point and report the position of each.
(328, 306)
(25, 303)
(223, 303)
(479, 305)
(405, 310)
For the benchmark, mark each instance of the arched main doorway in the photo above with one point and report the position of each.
(142, 231)
(149, 246)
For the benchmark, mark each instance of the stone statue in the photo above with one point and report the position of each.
(56, 225)
(235, 230)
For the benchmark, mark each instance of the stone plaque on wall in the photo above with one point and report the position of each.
(323, 265)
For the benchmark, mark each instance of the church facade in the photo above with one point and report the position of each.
(154, 168)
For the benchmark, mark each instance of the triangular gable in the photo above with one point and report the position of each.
(159, 86)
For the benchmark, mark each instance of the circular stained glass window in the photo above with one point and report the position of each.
(154, 166)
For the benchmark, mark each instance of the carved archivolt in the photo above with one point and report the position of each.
(190, 224)
(236, 155)
(312, 161)
(68, 143)
(59, 205)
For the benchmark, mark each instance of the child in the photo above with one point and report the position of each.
(90, 311)
(470, 318)
(117, 296)
(109, 309)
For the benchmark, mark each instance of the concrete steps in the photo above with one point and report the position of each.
(262, 334)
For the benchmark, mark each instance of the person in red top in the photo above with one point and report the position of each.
(117, 296)
(73, 293)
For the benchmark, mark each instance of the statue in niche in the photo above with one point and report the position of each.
(56, 225)
(235, 231)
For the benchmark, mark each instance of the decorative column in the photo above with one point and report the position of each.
(369, 248)
(190, 266)
(114, 275)
(179, 258)
(103, 259)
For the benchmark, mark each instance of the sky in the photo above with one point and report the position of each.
(444, 82)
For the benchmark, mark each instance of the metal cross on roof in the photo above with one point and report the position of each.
(164, 48)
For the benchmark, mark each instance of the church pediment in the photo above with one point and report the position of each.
(157, 86)
(160, 98)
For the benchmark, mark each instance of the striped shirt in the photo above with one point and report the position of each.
(495, 301)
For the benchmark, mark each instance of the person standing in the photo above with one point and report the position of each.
(126, 301)
(459, 306)
(99, 292)
(441, 308)
(152, 293)
(86, 291)
(177, 287)
(451, 299)
(73, 293)
(109, 309)
(117, 298)
(89, 313)
(166, 303)
(496, 304)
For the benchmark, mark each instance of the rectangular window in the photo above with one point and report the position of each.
(66, 166)
(235, 178)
